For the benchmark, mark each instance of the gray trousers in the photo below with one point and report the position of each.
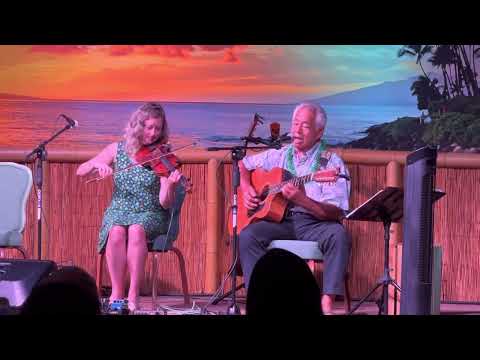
(332, 238)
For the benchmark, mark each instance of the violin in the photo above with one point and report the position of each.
(159, 159)
(154, 154)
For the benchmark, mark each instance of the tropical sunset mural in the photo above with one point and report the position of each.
(211, 92)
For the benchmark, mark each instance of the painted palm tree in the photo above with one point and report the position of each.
(461, 71)
(426, 91)
(475, 54)
(417, 51)
(443, 57)
(470, 79)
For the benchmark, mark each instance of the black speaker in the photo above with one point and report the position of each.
(418, 232)
(18, 277)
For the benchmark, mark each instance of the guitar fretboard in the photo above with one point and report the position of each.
(299, 180)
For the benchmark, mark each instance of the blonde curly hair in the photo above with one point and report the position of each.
(134, 129)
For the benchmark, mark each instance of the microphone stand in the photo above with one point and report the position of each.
(275, 143)
(237, 154)
(39, 155)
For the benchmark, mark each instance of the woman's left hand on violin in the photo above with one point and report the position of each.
(174, 177)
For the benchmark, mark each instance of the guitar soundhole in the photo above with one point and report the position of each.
(264, 193)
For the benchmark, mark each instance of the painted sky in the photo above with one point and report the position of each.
(224, 73)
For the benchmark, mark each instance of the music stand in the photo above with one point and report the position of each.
(385, 206)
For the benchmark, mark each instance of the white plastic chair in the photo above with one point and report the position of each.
(15, 186)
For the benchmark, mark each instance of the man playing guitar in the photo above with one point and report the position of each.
(314, 210)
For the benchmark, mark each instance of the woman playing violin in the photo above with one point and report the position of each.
(138, 210)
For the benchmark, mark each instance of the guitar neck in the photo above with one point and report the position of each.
(299, 180)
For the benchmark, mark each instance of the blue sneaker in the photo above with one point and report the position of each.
(118, 307)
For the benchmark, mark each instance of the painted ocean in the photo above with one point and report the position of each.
(25, 123)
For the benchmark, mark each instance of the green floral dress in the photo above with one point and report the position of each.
(134, 200)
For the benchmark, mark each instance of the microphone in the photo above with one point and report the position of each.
(71, 122)
(275, 136)
(274, 130)
(275, 140)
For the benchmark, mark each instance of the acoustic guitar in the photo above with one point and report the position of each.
(268, 185)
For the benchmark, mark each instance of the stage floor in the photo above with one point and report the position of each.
(173, 305)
